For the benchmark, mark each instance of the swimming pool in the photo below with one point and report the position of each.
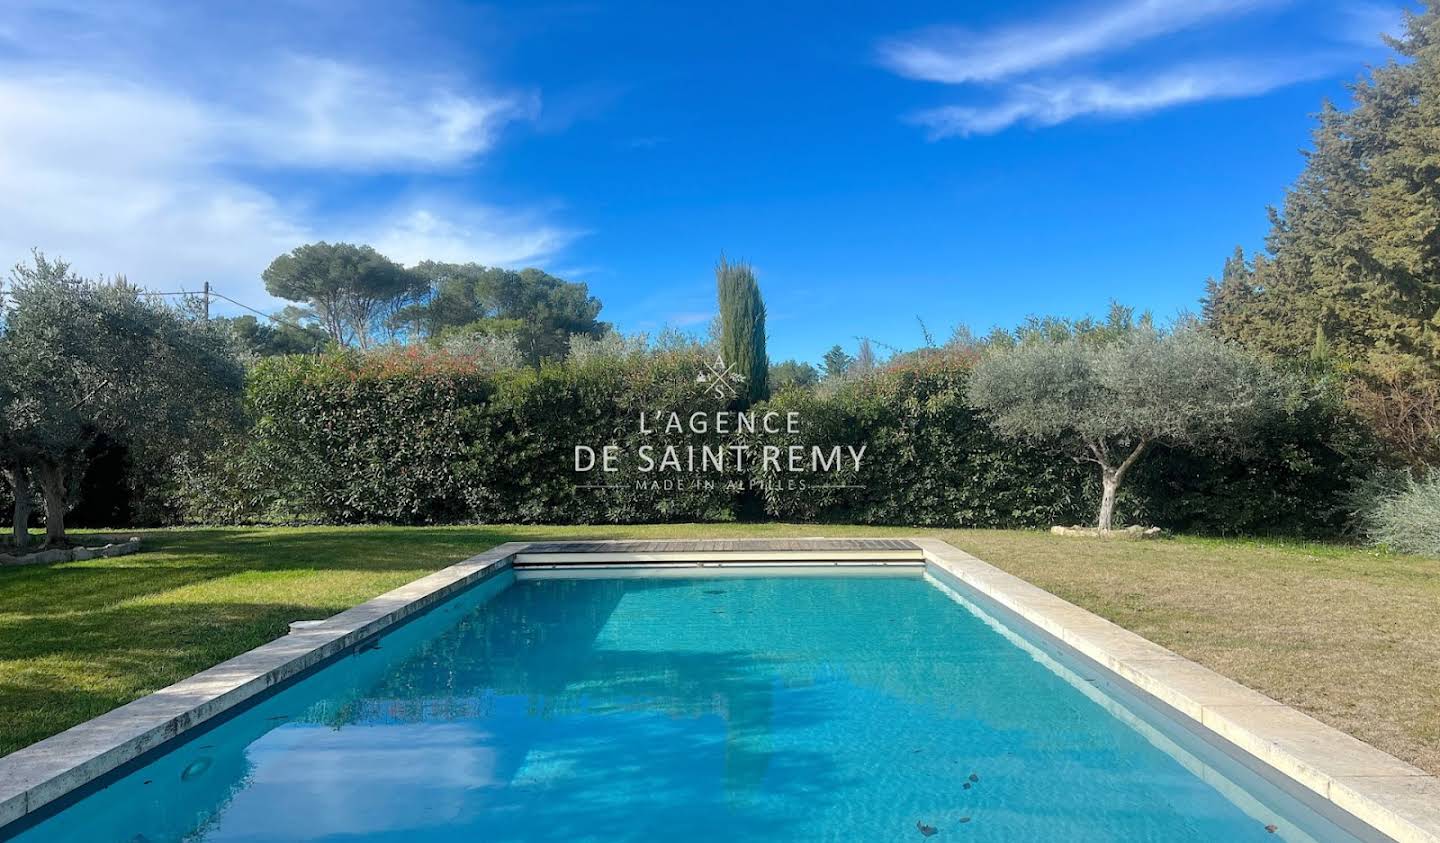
(548, 706)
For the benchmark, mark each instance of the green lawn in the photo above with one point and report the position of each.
(1348, 635)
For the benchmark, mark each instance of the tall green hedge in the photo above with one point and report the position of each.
(929, 459)
(410, 437)
(1292, 478)
(347, 437)
(520, 445)
(414, 437)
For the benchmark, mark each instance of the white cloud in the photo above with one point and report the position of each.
(446, 231)
(117, 178)
(170, 188)
(953, 55)
(311, 112)
(1051, 103)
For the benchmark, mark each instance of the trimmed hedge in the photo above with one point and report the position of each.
(1292, 478)
(930, 460)
(349, 438)
(415, 437)
(520, 457)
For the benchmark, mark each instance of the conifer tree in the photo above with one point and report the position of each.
(837, 363)
(1354, 250)
(742, 329)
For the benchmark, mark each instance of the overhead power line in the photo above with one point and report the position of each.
(210, 292)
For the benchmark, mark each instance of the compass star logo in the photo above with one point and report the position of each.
(721, 378)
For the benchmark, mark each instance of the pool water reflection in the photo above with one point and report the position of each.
(758, 708)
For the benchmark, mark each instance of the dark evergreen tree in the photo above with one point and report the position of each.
(792, 374)
(1354, 252)
(837, 362)
(538, 310)
(349, 288)
(292, 332)
(742, 329)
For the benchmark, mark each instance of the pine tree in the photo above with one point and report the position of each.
(837, 363)
(1229, 299)
(742, 329)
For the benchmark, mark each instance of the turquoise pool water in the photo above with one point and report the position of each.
(846, 709)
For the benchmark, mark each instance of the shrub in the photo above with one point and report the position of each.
(350, 437)
(929, 460)
(519, 462)
(428, 437)
(1293, 477)
(1402, 513)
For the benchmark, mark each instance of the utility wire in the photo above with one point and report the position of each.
(212, 292)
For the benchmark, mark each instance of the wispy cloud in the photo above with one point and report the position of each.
(954, 55)
(1048, 71)
(1365, 24)
(441, 229)
(1055, 101)
(316, 112)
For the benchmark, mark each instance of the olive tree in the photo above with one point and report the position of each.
(84, 359)
(1110, 399)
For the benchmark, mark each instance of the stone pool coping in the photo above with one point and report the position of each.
(1395, 798)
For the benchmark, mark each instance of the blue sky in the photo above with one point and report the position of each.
(965, 163)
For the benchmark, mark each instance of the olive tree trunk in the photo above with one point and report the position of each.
(1109, 485)
(20, 483)
(52, 487)
(1110, 477)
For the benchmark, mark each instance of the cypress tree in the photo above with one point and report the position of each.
(1353, 264)
(742, 329)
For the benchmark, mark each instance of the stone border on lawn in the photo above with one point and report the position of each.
(72, 554)
(1393, 797)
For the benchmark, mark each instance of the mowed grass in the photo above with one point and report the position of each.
(1349, 635)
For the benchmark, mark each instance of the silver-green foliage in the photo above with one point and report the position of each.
(488, 351)
(82, 359)
(617, 347)
(1112, 398)
(1408, 518)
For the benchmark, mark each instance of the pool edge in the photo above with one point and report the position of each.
(35, 776)
(1394, 797)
